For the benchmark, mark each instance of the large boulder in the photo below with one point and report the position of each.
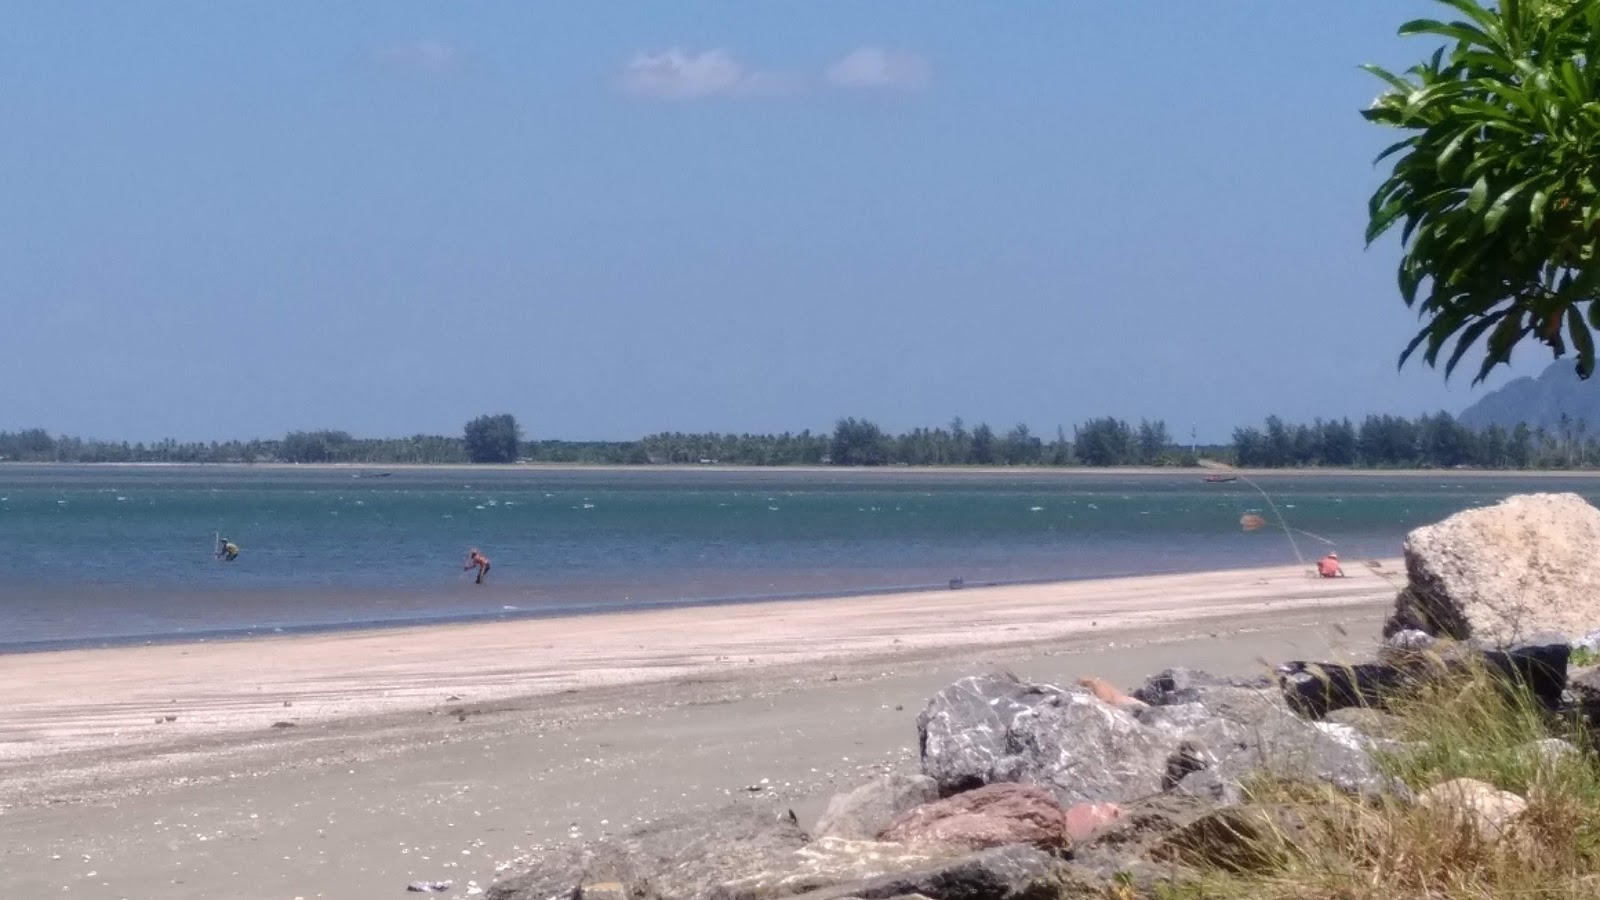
(1504, 573)
(991, 816)
(988, 729)
(862, 813)
(1218, 748)
(965, 729)
(1083, 749)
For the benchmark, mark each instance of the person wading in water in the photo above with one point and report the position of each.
(476, 559)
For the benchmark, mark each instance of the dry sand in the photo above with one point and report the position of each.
(450, 752)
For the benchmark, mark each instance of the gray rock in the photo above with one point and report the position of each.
(1551, 751)
(1083, 749)
(862, 813)
(1410, 640)
(1503, 573)
(1180, 685)
(681, 858)
(1250, 731)
(1005, 873)
(831, 862)
(965, 728)
(1372, 723)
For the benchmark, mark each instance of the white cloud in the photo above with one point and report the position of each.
(874, 68)
(676, 75)
(424, 56)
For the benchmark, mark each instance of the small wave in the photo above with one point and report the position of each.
(1035, 509)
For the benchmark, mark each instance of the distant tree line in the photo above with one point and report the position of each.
(1430, 441)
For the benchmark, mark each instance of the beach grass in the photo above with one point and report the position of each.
(1326, 845)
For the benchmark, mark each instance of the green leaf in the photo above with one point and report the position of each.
(1468, 338)
(1478, 195)
(1502, 204)
(1459, 31)
(1395, 81)
(1536, 208)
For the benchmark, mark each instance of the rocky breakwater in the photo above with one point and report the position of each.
(1031, 791)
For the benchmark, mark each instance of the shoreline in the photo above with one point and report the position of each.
(68, 701)
(573, 610)
(349, 765)
(846, 471)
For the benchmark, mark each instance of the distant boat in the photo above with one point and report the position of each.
(374, 475)
(1220, 478)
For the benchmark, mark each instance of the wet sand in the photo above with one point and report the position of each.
(344, 765)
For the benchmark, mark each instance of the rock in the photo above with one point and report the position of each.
(1410, 640)
(1372, 723)
(991, 816)
(1551, 751)
(1315, 689)
(1175, 686)
(1477, 804)
(1007, 873)
(1084, 750)
(1274, 741)
(862, 813)
(831, 862)
(1584, 684)
(964, 728)
(1589, 643)
(1243, 839)
(1502, 573)
(424, 887)
(679, 858)
(1085, 819)
(1139, 827)
(1107, 693)
(1538, 665)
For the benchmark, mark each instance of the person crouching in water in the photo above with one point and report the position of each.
(476, 559)
(227, 550)
(1328, 566)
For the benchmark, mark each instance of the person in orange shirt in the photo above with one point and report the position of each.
(476, 559)
(1328, 566)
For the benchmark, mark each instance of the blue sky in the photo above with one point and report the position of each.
(231, 220)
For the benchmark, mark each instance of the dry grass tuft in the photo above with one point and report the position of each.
(1478, 727)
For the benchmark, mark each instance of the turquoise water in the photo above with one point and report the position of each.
(90, 555)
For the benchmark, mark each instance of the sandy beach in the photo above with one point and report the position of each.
(348, 764)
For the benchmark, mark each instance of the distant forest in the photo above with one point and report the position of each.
(1436, 441)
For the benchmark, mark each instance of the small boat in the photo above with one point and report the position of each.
(1220, 478)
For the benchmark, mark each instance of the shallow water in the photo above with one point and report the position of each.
(97, 554)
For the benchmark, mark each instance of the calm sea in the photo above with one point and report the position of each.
(94, 555)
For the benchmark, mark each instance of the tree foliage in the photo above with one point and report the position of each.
(857, 442)
(1497, 188)
(493, 439)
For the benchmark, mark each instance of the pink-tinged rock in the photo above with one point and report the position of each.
(1084, 819)
(991, 816)
(1108, 693)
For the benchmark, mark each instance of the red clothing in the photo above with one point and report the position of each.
(1328, 567)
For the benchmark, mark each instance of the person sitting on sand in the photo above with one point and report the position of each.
(1328, 566)
(478, 560)
(227, 550)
